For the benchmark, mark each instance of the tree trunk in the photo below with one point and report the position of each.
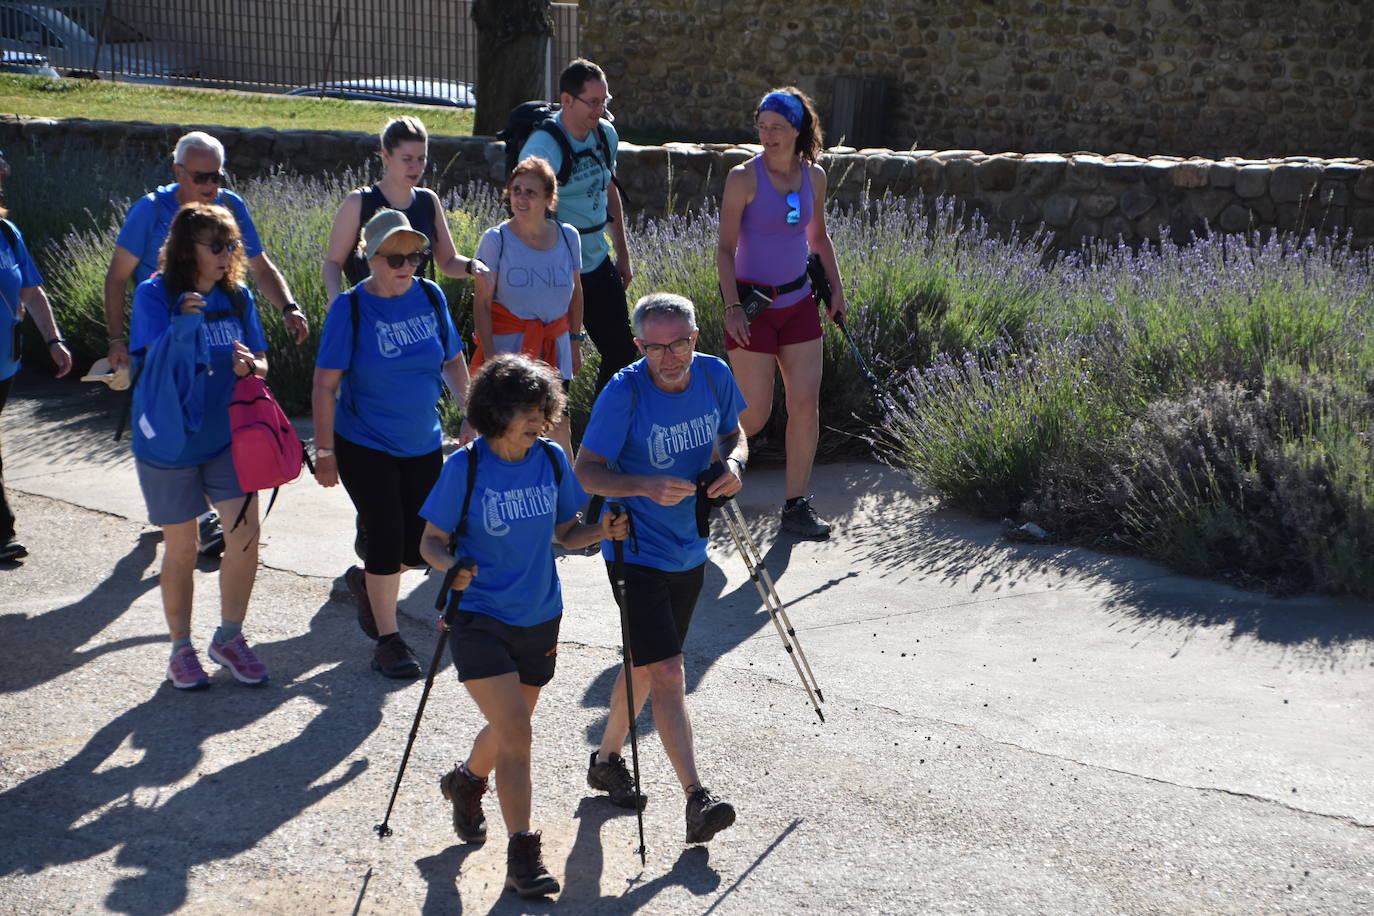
(511, 36)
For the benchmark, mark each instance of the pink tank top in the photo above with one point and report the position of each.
(770, 249)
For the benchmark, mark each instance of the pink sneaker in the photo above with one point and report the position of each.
(185, 672)
(238, 658)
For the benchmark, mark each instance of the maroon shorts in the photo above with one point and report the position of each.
(776, 328)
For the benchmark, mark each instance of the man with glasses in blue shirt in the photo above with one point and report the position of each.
(590, 201)
(654, 429)
(198, 167)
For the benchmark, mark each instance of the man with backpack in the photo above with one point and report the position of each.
(198, 166)
(580, 143)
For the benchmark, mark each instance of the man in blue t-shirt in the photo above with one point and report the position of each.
(591, 202)
(653, 430)
(198, 166)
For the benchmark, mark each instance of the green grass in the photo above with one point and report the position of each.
(39, 96)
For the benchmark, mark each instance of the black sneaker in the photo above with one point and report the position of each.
(356, 580)
(800, 519)
(13, 550)
(614, 777)
(210, 535)
(465, 792)
(525, 871)
(707, 815)
(393, 658)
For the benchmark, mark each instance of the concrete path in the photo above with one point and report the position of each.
(1009, 728)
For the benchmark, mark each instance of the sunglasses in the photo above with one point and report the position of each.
(679, 348)
(397, 261)
(206, 177)
(219, 247)
(793, 215)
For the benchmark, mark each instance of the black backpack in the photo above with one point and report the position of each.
(528, 117)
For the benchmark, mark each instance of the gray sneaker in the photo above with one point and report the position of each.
(801, 519)
(613, 777)
(707, 815)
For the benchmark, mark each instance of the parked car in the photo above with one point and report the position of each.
(71, 46)
(407, 90)
(26, 62)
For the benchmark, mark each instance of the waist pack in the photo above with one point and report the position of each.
(266, 450)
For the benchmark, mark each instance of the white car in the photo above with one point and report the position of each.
(71, 47)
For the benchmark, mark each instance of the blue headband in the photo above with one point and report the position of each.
(784, 104)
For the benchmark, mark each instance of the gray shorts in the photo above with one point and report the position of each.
(175, 495)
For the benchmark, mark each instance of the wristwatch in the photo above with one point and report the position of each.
(739, 462)
(290, 307)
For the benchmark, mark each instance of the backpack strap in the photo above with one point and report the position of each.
(431, 292)
(553, 460)
(551, 127)
(462, 529)
(11, 235)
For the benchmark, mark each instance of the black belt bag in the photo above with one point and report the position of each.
(755, 297)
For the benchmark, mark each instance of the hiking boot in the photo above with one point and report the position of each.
(12, 550)
(613, 777)
(238, 658)
(356, 581)
(525, 871)
(465, 792)
(185, 672)
(800, 519)
(210, 535)
(707, 815)
(393, 658)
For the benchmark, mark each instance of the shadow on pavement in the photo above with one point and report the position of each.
(120, 790)
(52, 640)
(86, 415)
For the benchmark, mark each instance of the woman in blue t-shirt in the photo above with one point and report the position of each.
(505, 639)
(21, 291)
(193, 333)
(387, 350)
(531, 300)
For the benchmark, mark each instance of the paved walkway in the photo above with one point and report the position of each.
(1010, 728)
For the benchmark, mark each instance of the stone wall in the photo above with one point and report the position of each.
(1077, 196)
(1182, 77)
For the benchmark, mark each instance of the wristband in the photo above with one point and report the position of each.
(468, 268)
(114, 340)
(290, 307)
(324, 453)
(739, 462)
(56, 340)
(733, 305)
(578, 336)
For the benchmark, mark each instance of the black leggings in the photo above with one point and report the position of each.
(388, 492)
(6, 516)
(606, 317)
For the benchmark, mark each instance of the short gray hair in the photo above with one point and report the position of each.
(197, 139)
(663, 305)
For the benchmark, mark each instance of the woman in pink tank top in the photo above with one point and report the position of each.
(772, 215)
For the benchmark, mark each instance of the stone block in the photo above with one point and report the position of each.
(1083, 173)
(1189, 174)
(1364, 185)
(1234, 219)
(960, 175)
(1222, 175)
(1252, 181)
(1096, 206)
(1114, 227)
(1362, 221)
(998, 173)
(1084, 230)
(1040, 175)
(1292, 183)
(930, 174)
(1333, 193)
(733, 157)
(1123, 172)
(1060, 210)
(1135, 204)
(1019, 209)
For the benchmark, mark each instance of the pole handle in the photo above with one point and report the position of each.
(448, 598)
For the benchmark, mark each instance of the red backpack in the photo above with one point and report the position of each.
(267, 452)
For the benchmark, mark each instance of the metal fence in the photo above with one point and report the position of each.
(268, 45)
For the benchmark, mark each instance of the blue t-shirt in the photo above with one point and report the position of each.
(389, 395)
(532, 283)
(514, 508)
(152, 318)
(150, 219)
(582, 201)
(17, 271)
(641, 429)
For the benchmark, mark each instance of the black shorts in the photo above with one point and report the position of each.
(660, 609)
(483, 646)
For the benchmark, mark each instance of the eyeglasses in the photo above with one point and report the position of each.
(597, 103)
(396, 261)
(206, 177)
(679, 348)
(793, 215)
(219, 246)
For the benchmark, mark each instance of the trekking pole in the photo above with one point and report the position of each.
(753, 562)
(883, 400)
(453, 597)
(619, 571)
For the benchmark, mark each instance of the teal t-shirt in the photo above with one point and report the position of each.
(582, 201)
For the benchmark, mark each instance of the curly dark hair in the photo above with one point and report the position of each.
(508, 384)
(177, 259)
(810, 139)
(540, 167)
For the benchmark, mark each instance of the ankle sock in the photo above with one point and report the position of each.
(388, 637)
(463, 768)
(227, 630)
(177, 644)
